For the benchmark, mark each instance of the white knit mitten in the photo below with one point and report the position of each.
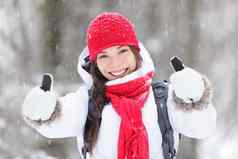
(39, 105)
(188, 85)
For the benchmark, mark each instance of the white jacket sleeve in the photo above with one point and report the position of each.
(196, 120)
(68, 118)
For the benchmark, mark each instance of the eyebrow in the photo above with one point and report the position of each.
(119, 47)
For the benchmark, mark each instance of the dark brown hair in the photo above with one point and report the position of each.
(99, 100)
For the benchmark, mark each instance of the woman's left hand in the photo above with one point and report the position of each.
(188, 85)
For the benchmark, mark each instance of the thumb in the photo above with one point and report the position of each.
(176, 63)
(47, 82)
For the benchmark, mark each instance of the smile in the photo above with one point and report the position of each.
(118, 73)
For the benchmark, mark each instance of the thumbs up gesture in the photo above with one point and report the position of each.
(39, 104)
(186, 82)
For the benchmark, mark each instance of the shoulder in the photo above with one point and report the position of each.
(82, 90)
(80, 95)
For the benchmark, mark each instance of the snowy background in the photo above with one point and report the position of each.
(38, 36)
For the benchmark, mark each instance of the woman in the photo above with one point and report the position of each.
(124, 116)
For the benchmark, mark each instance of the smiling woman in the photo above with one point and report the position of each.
(115, 115)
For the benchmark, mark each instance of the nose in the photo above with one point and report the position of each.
(116, 62)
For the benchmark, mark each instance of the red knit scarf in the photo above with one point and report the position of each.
(127, 100)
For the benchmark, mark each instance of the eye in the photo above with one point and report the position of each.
(102, 56)
(123, 51)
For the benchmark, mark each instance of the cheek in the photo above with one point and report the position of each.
(132, 62)
(103, 69)
(105, 73)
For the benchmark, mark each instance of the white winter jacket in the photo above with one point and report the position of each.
(69, 117)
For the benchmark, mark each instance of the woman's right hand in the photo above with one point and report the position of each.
(39, 103)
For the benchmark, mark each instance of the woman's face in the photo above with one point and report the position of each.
(116, 62)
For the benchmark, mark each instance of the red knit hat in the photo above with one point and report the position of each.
(109, 29)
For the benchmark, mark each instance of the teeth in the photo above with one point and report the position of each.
(118, 73)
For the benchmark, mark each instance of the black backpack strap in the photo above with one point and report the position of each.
(160, 90)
